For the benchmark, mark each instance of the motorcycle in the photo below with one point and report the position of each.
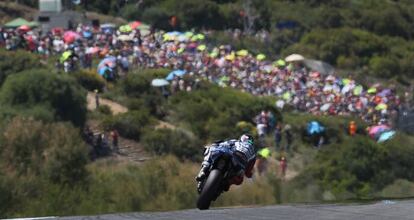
(222, 169)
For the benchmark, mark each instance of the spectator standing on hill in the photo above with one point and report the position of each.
(278, 136)
(96, 98)
(114, 136)
(282, 167)
(289, 136)
(352, 128)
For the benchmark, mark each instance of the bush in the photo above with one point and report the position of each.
(177, 142)
(90, 80)
(213, 113)
(57, 93)
(104, 109)
(54, 151)
(130, 124)
(12, 62)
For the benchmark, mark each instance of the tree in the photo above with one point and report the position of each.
(58, 93)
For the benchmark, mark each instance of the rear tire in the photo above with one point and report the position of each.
(208, 193)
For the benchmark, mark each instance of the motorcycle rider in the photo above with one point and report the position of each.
(244, 154)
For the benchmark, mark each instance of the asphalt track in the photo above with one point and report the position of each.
(381, 210)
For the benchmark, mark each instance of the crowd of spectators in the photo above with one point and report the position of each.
(294, 86)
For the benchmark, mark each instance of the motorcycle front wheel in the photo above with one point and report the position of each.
(209, 190)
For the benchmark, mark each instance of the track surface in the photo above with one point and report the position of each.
(376, 211)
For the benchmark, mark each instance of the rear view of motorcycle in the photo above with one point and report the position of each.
(217, 180)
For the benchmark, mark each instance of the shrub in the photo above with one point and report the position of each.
(12, 62)
(55, 151)
(213, 113)
(176, 142)
(59, 94)
(129, 124)
(104, 109)
(90, 80)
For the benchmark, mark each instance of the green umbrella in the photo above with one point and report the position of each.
(17, 23)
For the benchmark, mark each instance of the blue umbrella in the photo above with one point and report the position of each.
(386, 136)
(111, 61)
(159, 82)
(315, 127)
(87, 34)
(175, 73)
(103, 70)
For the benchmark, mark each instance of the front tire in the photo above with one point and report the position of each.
(208, 193)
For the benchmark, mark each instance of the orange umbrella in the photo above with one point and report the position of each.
(134, 24)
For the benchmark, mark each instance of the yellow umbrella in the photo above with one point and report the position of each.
(260, 57)
(381, 106)
(242, 53)
(201, 47)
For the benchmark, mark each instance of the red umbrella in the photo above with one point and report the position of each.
(70, 36)
(57, 31)
(135, 24)
(24, 28)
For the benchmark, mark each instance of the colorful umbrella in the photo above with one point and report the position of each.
(201, 47)
(386, 136)
(159, 82)
(135, 24)
(376, 129)
(279, 63)
(242, 53)
(70, 36)
(381, 106)
(174, 73)
(358, 90)
(260, 57)
(294, 57)
(125, 29)
(24, 28)
(372, 90)
(109, 61)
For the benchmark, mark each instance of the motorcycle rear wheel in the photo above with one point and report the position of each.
(209, 191)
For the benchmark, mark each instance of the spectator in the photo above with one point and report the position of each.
(282, 167)
(278, 136)
(352, 128)
(114, 136)
(289, 137)
(96, 98)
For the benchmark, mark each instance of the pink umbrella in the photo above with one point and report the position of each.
(375, 129)
(70, 36)
(24, 28)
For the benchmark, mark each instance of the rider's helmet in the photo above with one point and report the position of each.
(247, 138)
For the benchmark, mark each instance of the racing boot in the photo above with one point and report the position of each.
(202, 174)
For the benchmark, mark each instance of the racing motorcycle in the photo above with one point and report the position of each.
(222, 169)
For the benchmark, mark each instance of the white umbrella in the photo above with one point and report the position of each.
(325, 107)
(159, 82)
(294, 57)
(125, 37)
